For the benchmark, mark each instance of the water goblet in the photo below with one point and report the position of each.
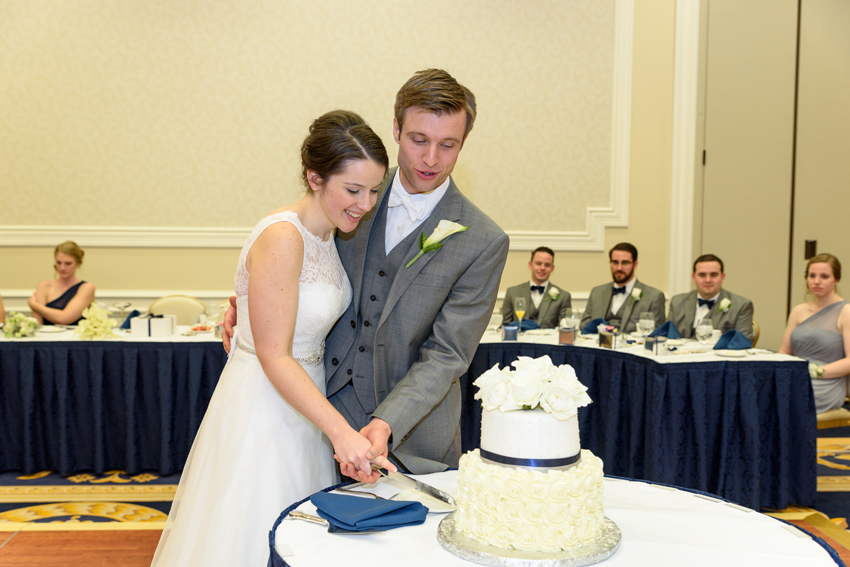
(646, 324)
(704, 332)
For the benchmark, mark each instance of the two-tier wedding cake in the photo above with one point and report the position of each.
(530, 487)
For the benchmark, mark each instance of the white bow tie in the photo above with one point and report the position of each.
(415, 208)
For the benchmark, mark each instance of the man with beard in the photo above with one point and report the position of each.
(621, 304)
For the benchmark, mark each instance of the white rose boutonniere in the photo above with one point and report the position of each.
(554, 293)
(444, 230)
(725, 304)
(636, 294)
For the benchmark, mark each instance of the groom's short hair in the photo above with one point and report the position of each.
(436, 91)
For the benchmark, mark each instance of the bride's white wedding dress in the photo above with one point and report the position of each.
(254, 454)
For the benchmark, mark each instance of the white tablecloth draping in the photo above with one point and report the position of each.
(660, 526)
(686, 351)
(68, 334)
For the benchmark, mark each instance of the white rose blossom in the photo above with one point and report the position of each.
(636, 294)
(533, 383)
(725, 304)
(554, 293)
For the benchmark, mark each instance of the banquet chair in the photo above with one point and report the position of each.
(187, 308)
(833, 418)
(756, 333)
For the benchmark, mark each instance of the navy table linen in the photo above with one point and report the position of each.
(71, 406)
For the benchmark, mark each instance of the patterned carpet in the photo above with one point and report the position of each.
(85, 501)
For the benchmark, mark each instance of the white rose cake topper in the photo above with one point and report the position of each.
(535, 382)
(434, 242)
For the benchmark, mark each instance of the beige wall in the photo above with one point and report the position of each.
(190, 115)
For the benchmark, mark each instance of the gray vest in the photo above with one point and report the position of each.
(378, 275)
(611, 318)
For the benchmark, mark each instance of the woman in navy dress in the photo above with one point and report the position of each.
(61, 301)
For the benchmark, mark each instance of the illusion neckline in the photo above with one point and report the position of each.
(318, 239)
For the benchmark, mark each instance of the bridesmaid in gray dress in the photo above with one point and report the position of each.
(819, 331)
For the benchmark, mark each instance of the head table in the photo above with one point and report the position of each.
(743, 428)
(660, 526)
(127, 403)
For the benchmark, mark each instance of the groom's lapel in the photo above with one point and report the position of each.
(449, 208)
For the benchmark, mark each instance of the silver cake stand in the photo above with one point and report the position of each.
(466, 548)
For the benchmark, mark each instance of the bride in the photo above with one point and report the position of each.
(261, 446)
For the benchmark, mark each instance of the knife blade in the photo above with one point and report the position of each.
(419, 486)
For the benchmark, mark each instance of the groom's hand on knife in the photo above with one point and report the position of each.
(378, 432)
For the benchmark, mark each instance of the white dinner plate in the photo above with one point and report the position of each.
(52, 329)
(731, 353)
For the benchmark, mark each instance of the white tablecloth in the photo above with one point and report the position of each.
(550, 337)
(660, 527)
(181, 336)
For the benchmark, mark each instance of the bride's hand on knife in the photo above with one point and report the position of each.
(356, 454)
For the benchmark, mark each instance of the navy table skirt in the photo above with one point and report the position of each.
(744, 430)
(97, 406)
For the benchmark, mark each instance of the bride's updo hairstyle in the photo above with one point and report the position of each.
(336, 138)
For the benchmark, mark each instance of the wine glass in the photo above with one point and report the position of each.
(646, 324)
(704, 332)
(519, 310)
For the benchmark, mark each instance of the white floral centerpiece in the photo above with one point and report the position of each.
(19, 325)
(96, 324)
(535, 382)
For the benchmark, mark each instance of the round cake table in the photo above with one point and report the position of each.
(661, 526)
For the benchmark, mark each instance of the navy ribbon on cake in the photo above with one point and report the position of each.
(513, 461)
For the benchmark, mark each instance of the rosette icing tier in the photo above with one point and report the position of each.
(529, 510)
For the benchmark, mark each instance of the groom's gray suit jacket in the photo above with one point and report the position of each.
(652, 300)
(429, 324)
(683, 307)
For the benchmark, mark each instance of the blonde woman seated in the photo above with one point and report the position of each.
(819, 331)
(61, 301)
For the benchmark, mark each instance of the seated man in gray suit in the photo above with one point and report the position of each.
(725, 309)
(545, 303)
(621, 304)
(394, 359)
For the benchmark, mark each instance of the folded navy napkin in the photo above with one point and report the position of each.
(733, 340)
(590, 328)
(126, 323)
(352, 513)
(668, 330)
(528, 325)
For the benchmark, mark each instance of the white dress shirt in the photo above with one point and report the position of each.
(702, 312)
(618, 300)
(537, 296)
(400, 222)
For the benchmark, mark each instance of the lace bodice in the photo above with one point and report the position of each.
(324, 291)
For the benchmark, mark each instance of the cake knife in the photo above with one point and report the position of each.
(417, 485)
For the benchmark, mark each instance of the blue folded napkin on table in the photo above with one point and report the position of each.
(352, 513)
(126, 323)
(590, 328)
(733, 340)
(668, 330)
(528, 325)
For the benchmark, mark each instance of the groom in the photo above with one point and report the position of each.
(394, 359)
